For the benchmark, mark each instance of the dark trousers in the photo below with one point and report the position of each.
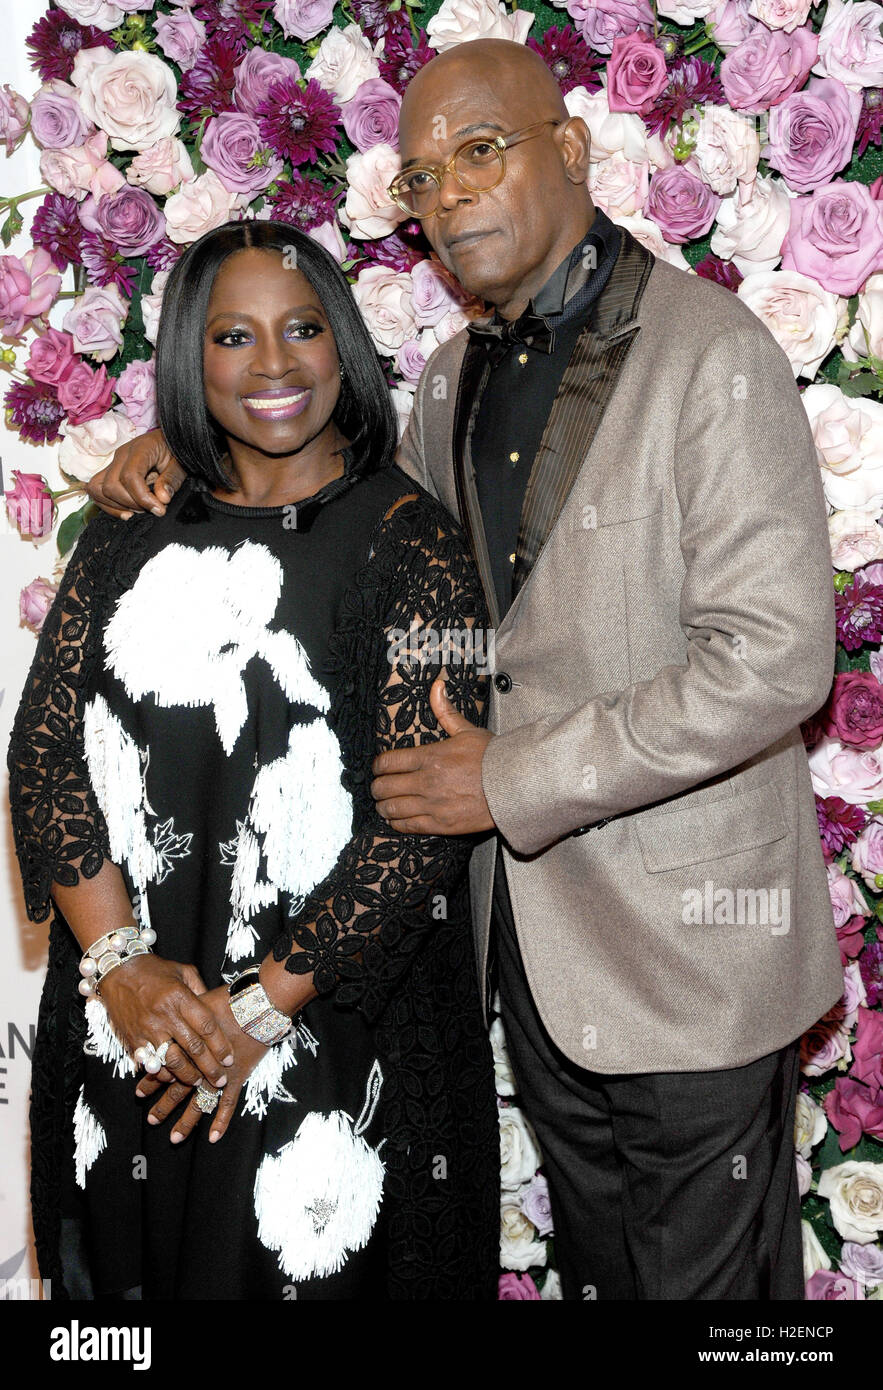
(663, 1185)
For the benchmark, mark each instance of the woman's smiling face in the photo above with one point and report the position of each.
(270, 363)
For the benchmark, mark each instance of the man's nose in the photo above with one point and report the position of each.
(451, 192)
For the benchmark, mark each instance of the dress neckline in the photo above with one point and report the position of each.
(232, 509)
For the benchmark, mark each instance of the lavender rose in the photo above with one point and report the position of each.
(129, 218)
(14, 112)
(811, 133)
(372, 116)
(303, 19)
(95, 321)
(836, 236)
(766, 68)
(136, 388)
(180, 36)
(730, 24)
(681, 204)
(256, 74)
(601, 22)
(27, 288)
(57, 119)
(517, 1288)
(232, 145)
(863, 1263)
(536, 1205)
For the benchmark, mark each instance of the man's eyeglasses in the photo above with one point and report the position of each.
(476, 164)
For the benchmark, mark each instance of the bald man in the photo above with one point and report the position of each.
(627, 450)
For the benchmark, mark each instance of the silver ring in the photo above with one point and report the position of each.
(162, 1050)
(207, 1099)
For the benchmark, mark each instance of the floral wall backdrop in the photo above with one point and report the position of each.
(740, 140)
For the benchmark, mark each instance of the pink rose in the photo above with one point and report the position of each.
(730, 24)
(766, 68)
(846, 896)
(136, 388)
(517, 1287)
(681, 204)
(780, 14)
(854, 1110)
(256, 74)
(811, 133)
(371, 117)
(636, 73)
(34, 603)
(130, 94)
(85, 394)
(854, 775)
(619, 186)
(328, 234)
(29, 505)
(197, 207)
(57, 119)
(867, 854)
(825, 1286)
(180, 36)
(89, 447)
(303, 19)
(823, 1045)
(82, 169)
(855, 711)
(162, 167)
(13, 117)
(369, 212)
(27, 288)
(129, 218)
(836, 236)
(52, 357)
(435, 292)
(601, 22)
(232, 145)
(95, 320)
(851, 43)
(385, 299)
(867, 1052)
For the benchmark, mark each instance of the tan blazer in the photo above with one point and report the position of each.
(674, 624)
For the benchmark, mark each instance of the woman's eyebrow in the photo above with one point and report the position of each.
(244, 314)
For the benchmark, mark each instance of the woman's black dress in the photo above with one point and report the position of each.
(207, 696)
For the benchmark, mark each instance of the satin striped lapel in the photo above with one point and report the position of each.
(586, 387)
(474, 372)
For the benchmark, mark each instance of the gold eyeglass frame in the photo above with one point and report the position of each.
(500, 142)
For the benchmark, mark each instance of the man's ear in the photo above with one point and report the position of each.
(576, 149)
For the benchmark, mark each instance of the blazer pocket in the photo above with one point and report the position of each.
(694, 834)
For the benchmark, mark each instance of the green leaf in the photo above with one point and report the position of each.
(12, 226)
(71, 527)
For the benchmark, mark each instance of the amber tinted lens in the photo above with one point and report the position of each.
(417, 191)
(479, 165)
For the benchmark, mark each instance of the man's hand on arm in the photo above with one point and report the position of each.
(436, 789)
(142, 476)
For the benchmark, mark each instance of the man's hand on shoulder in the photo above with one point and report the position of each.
(142, 476)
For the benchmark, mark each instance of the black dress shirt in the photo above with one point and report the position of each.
(521, 389)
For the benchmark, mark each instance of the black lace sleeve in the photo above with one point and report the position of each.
(58, 827)
(359, 929)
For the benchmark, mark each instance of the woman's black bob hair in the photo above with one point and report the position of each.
(364, 413)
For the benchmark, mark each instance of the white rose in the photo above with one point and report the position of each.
(101, 13)
(551, 1290)
(814, 1257)
(519, 1155)
(806, 320)
(619, 185)
(86, 448)
(344, 61)
(403, 404)
(131, 95)
(855, 1191)
(685, 11)
(810, 1124)
(726, 151)
(848, 434)
(453, 322)
(459, 21)
(750, 234)
(851, 44)
(505, 1081)
(866, 335)
(161, 167)
(612, 132)
(369, 212)
(197, 207)
(645, 230)
(853, 774)
(151, 304)
(780, 14)
(520, 1248)
(329, 235)
(385, 299)
(856, 540)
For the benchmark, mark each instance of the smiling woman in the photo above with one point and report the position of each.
(189, 781)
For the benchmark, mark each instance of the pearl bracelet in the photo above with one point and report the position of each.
(111, 950)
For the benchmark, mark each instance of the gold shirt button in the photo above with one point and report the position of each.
(522, 357)
(512, 558)
(514, 456)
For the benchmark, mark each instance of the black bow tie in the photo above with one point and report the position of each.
(532, 330)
